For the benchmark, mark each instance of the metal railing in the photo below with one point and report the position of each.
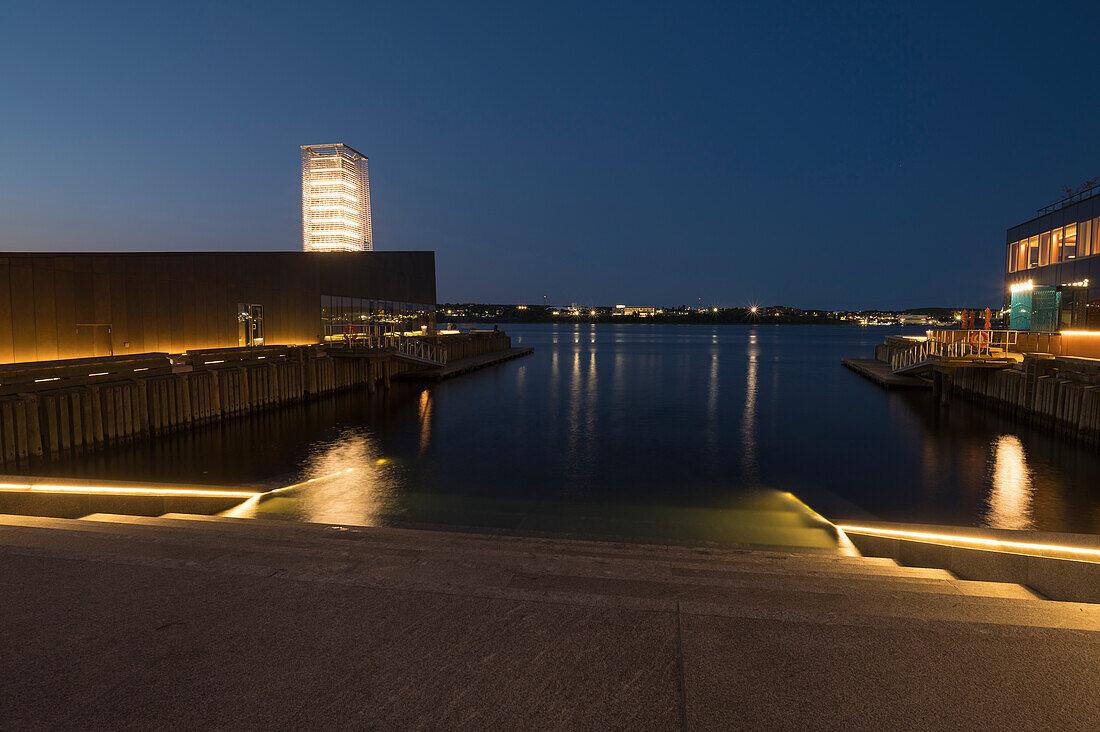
(992, 338)
(930, 349)
(418, 348)
(412, 346)
(1079, 196)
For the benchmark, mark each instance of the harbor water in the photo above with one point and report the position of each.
(663, 423)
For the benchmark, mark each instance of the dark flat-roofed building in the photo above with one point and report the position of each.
(1052, 267)
(60, 305)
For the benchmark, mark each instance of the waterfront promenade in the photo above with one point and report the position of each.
(197, 622)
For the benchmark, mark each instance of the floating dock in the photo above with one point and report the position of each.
(881, 374)
(464, 365)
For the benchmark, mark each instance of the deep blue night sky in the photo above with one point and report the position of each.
(861, 155)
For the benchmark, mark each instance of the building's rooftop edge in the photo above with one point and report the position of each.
(335, 144)
(1045, 212)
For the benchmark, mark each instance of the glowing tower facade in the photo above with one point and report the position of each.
(335, 199)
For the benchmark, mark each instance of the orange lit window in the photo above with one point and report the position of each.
(1069, 243)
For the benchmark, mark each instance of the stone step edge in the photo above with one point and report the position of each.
(788, 581)
(962, 609)
(309, 540)
(473, 534)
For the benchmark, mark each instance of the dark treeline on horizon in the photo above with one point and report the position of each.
(775, 314)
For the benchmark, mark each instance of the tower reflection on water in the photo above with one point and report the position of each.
(1011, 491)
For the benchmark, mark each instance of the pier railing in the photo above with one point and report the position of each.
(412, 346)
(992, 338)
(419, 348)
(928, 350)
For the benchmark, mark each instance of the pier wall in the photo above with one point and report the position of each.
(1042, 393)
(61, 408)
(76, 418)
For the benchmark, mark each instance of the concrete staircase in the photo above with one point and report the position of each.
(535, 568)
(665, 636)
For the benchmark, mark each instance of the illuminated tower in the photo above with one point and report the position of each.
(335, 199)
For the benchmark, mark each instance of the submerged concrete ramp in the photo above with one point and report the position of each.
(196, 621)
(754, 519)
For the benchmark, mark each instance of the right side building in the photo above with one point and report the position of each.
(1052, 268)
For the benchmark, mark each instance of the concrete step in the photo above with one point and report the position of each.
(930, 582)
(801, 604)
(779, 530)
(779, 572)
(791, 535)
(147, 648)
(360, 540)
(424, 536)
(443, 544)
(788, 598)
(521, 543)
(794, 589)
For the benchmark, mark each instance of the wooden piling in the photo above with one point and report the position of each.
(83, 416)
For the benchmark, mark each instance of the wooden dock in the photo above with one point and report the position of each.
(464, 365)
(881, 374)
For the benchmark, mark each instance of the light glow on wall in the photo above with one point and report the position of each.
(321, 231)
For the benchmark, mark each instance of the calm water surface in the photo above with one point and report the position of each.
(685, 417)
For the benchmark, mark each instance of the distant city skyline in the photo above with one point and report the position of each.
(871, 155)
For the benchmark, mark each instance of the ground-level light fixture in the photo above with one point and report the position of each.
(973, 540)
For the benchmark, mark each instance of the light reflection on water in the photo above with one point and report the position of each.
(356, 497)
(749, 467)
(1010, 495)
(687, 416)
(425, 414)
(345, 481)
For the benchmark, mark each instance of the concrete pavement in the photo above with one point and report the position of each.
(230, 623)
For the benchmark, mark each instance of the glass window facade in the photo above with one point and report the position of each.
(343, 315)
(1020, 311)
(1055, 245)
(1052, 271)
(1045, 305)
